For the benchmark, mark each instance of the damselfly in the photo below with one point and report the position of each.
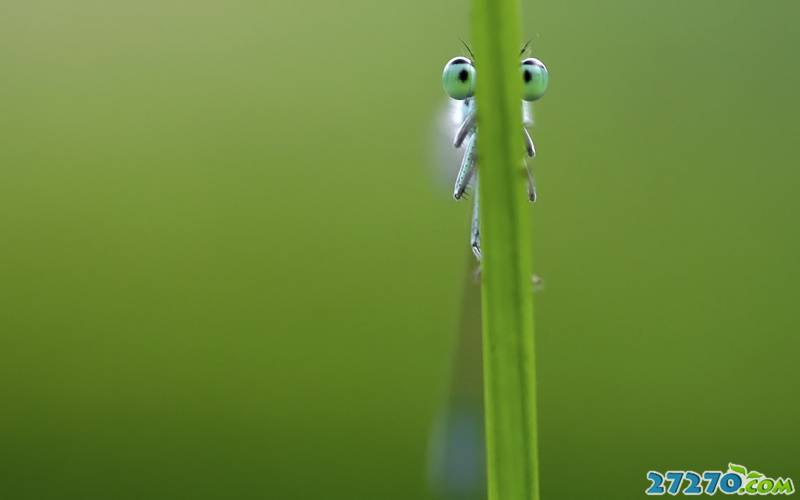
(459, 79)
(457, 458)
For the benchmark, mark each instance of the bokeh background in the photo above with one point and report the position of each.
(227, 269)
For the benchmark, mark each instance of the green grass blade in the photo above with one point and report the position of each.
(509, 373)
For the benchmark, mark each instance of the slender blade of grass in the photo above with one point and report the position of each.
(508, 351)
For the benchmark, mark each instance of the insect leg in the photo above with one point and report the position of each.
(529, 147)
(475, 237)
(531, 183)
(467, 169)
(467, 126)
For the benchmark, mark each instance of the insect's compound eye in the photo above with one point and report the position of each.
(458, 78)
(534, 79)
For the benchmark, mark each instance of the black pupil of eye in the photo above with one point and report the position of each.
(463, 75)
(527, 76)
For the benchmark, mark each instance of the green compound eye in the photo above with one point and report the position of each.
(534, 79)
(458, 78)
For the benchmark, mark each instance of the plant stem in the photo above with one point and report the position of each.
(508, 352)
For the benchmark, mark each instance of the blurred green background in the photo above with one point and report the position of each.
(227, 269)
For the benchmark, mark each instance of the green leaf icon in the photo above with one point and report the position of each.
(754, 474)
(741, 469)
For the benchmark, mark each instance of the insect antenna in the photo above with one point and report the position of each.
(466, 46)
(525, 47)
